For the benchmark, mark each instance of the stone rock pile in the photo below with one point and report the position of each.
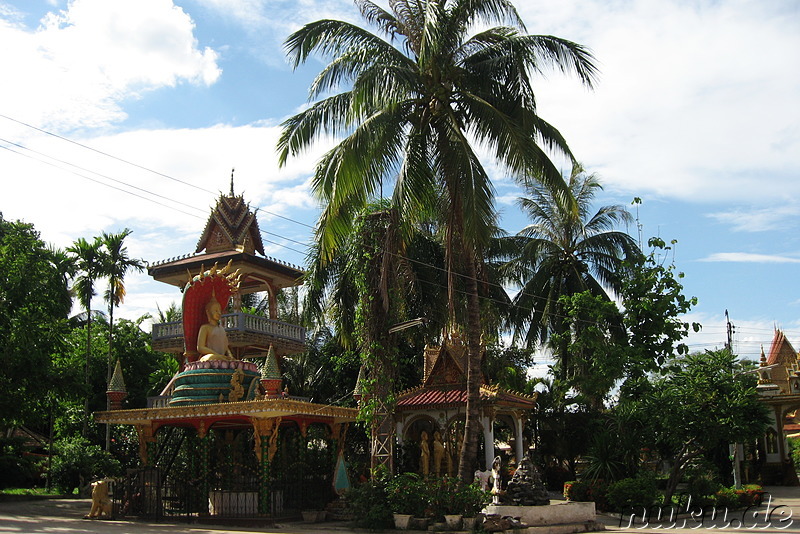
(526, 487)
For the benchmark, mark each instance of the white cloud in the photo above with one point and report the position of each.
(744, 257)
(759, 219)
(80, 65)
(695, 100)
(269, 22)
(199, 162)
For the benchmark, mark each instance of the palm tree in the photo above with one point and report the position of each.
(89, 264)
(419, 104)
(117, 263)
(563, 252)
(373, 272)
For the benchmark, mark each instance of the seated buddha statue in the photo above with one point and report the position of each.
(212, 341)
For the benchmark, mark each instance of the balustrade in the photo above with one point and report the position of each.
(241, 322)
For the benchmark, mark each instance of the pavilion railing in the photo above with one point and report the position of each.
(238, 322)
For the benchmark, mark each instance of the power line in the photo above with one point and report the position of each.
(99, 182)
(138, 166)
(87, 147)
(183, 182)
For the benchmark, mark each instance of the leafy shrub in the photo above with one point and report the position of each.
(584, 491)
(703, 486)
(726, 498)
(77, 463)
(16, 469)
(370, 503)
(632, 493)
(732, 498)
(407, 493)
(473, 499)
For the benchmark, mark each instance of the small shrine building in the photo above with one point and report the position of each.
(779, 388)
(436, 410)
(225, 438)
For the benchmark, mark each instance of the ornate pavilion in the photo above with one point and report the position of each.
(225, 438)
(438, 405)
(779, 387)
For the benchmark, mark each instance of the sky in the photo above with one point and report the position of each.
(132, 113)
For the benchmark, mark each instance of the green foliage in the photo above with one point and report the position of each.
(587, 491)
(726, 498)
(700, 401)
(408, 493)
(653, 304)
(17, 470)
(35, 301)
(592, 348)
(794, 451)
(508, 366)
(632, 493)
(370, 504)
(77, 463)
(472, 499)
(447, 496)
(733, 498)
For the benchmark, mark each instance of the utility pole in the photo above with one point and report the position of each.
(734, 447)
(731, 329)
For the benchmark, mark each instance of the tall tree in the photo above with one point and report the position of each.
(90, 265)
(563, 252)
(420, 102)
(117, 263)
(34, 305)
(702, 400)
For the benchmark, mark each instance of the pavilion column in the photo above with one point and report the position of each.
(147, 443)
(399, 432)
(519, 422)
(205, 457)
(487, 420)
(265, 432)
(273, 301)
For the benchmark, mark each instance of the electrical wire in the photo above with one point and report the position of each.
(195, 186)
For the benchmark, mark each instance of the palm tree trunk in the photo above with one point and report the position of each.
(469, 449)
(85, 430)
(110, 370)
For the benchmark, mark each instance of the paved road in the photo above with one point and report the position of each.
(65, 516)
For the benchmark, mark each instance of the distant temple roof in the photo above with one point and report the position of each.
(781, 351)
(433, 397)
(444, 381)
(231, 226)
(231, 234)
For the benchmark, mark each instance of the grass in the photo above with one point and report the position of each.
(25, 494)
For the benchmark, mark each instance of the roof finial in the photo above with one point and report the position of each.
(232, 169)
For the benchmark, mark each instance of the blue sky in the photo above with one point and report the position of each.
(697, 111)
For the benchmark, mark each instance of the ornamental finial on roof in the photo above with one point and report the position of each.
(232, 169)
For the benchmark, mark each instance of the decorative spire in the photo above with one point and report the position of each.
(116, 391)
(271, 369)
(117, 381)
(233, 169)
(358, 391)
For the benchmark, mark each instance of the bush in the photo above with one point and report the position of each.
(632, 493)
(473, 499)
(732, 498)
(702, 487)
(370, 503)
(726, 498)
(77, 463)
(407, 493)
(585, 491)
(17, 470)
